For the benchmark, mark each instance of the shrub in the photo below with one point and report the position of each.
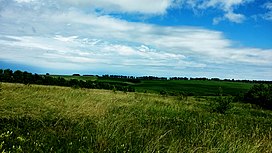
(260, 95)
(163, 93)
(114, 90)
(222, 104)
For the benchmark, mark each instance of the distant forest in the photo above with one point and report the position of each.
(18, 76)
(29, 78)
(177, 78)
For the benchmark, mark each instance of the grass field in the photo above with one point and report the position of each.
(61, 119)
(84, 78)
(193, 87)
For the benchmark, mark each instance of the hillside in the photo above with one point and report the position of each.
(35, 118)
(189, 87)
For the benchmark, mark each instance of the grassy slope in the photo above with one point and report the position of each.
(45, 119)
(84, 78)
(196, 87)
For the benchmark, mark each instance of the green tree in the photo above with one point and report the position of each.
(7, 75)
(260, 95)
(1, 74)
(18, 76)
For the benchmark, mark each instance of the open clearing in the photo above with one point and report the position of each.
(39, 118)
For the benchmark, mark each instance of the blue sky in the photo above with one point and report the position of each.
(192, 38)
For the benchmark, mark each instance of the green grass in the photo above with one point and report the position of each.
(59, 119)
(83, 78)
(193, 87)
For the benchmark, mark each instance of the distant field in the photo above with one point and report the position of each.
(35, 118)
(84, 78)
(193, 87)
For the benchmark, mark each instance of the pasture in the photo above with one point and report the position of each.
(190, 87)
(36, 118)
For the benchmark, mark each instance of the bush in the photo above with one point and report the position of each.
(222, 104)
(114, 90)
(260, 95)
(163, 93)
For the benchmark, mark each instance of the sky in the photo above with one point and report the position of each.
(187, 38)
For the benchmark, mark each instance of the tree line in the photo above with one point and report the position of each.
(218, 79)
(25, 77)
(138, 79)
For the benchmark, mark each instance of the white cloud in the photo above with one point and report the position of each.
(268, 5)
(237, 18)
(65, 39)
(227, 6)
(217, 20)
(24, 1)
(268, 14)
(155, 7)
(178, 41)
(72, 39)
(139, 6)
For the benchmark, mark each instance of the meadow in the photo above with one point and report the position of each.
(189, 87)
(36, 118)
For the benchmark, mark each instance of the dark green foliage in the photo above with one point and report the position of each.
(76, 74)
(114, 90)
(239, 97)
(29, 78)
(182, 96)
(192, 87)
(260, 95)
(172, 86)
(18, 76)
(132, 130)
(163, 93)
(119, 78)
(7, 75)
(51, 134)
(221, 104)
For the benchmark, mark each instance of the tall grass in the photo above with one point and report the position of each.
(58, 119)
